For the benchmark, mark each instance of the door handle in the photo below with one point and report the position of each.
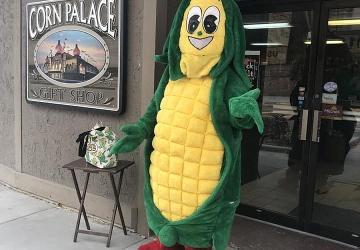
(315, 129)
(304, 124)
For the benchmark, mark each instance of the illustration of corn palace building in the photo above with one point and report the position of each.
(68, 68)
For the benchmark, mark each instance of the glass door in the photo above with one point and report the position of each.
(280, 60)
(335, 154)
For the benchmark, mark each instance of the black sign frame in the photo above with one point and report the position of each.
(89, 96)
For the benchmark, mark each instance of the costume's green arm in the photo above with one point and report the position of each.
(245, 112)
(136, 133)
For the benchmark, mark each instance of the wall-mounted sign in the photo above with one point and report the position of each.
(330, 87)
(332, 112)
(74, 53)
(252, 66)
(329, 98)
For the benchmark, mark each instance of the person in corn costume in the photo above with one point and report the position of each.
(193, 128)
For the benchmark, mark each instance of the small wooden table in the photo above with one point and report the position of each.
(82, 165)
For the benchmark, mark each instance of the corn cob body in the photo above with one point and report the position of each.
(187, 158)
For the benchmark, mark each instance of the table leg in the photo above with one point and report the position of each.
(116, 206)
(118, 202)
(79, 197)
(81, 206)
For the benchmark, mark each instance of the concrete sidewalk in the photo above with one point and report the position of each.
(29, 223)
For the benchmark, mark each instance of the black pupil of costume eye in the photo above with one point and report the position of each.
(193, 23)
(209, 24)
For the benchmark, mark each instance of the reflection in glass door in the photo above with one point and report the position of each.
(278, 62)
(337, 189)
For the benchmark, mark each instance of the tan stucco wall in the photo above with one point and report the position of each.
(7, 106)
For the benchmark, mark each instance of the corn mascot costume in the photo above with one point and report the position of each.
(193, 129)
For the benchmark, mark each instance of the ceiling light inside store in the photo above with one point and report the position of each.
(258, 26)
(267, 44)
(344, 22)
(329, 42)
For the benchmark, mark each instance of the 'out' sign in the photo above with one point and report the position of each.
(74, 53)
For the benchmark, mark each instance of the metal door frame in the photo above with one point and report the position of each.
(310, 226)
(258, 7)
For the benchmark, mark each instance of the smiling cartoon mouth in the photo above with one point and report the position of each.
(200, 43)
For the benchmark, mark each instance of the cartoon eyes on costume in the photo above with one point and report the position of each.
(210, 21)
(194, 18)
